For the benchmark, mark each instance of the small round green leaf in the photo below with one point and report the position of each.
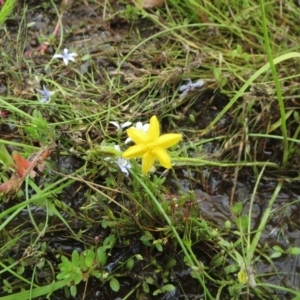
(114, 284)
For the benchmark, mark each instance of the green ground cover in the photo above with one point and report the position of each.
(200, 205)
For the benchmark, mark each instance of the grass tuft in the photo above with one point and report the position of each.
(222, 223)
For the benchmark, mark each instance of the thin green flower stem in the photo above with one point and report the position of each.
(277, 84)
(12, 272)
(13, 212)
(279, 287)
(10, 213)
(179, 161)
(132, 290)
(61, 31)
(37, 190)
(32, 282)
(257, 183)
(37, 292)
(28, 206)
(263, 222)
(278, 137)
(15, 144)
(187, 255)
(12, 108)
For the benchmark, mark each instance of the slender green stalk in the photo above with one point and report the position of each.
(183, 161)
(246, 85)
(166, 217)
(12, 108)
(277, 84)
(263, 222)
(255, 189)
(282, 288)
(37, 292)
(6, 10)
(15, 274)
(14, 144)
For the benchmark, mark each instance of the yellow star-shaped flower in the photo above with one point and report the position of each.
(151, 146)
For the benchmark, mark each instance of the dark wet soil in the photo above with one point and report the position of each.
(210, 189)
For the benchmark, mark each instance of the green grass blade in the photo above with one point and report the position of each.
(6, 10)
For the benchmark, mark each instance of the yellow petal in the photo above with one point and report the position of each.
(242, 276)
(163, 157)
(135, 151)
(153, 131)
(138, 136)
(168, 140)
(147, 163)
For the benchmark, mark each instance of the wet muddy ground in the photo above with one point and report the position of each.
(211, 190)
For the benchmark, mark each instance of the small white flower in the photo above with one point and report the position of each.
(46, 95)
(185, 88)
(122, 163)
(66, 56)
(120, 126)
(139, 126)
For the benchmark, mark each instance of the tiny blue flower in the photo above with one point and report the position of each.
(122, 163)
(185, 88)
(46, 95)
